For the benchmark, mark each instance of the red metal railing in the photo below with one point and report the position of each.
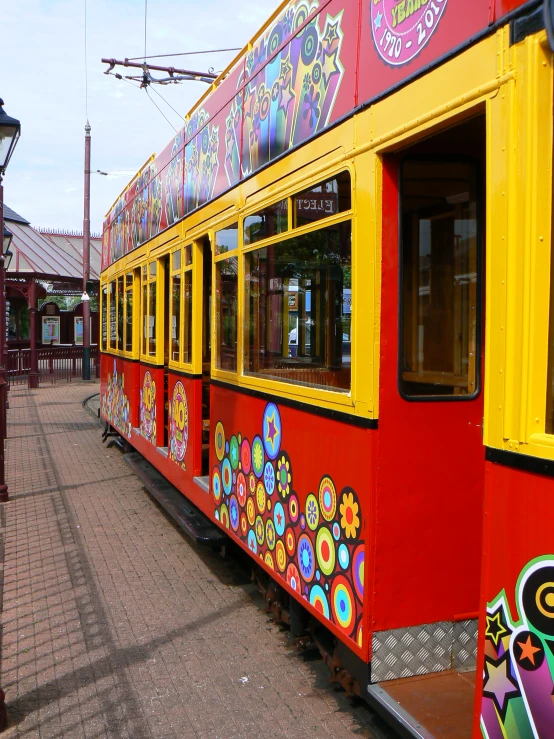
(55, 363)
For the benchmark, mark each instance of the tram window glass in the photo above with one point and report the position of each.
(129, 312)
(268, 222)
(152, 310)
(299, 298)
(325, 199)
(176, 260)
(175, 316)
(144, 305)
(439, 300)
(187, 305)
(227, 239)
(226, 286)
(188, 255)
(113, 315)
(120, 313)
(104, 317)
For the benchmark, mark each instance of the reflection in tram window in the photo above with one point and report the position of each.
(324, 200)
(298, 300)
(129, 312)
(439, 279)
(226, 286)
(268, 222)
(120, 317)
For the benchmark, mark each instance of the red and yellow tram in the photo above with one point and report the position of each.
(326, 321)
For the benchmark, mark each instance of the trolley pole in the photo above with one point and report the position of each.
(86, 260)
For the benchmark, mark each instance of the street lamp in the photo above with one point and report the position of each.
(10, 130)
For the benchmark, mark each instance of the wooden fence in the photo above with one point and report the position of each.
(55, 364)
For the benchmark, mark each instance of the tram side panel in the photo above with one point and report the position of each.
(517, 628)
(293, 488)
(119, 393)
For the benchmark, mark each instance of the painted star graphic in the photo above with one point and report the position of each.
(329, 65)
(286, 69)
(331, 32)
(378, 20)
(272, 430)
(499, 684)
(287, 95)
(495, 629)
(528, 651)
(279, 519)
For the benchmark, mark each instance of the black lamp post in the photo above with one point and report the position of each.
(10, 130)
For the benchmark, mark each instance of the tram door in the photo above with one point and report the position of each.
(431, 458)
(206, 349)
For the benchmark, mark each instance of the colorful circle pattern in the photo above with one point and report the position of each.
(310, 540)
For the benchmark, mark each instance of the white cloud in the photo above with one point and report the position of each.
(42, 59)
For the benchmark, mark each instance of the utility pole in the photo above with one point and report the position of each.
(86, 260)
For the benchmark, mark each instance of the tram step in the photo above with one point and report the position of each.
(193, 522)
(203, 482)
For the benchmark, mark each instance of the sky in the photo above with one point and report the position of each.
(43, 83)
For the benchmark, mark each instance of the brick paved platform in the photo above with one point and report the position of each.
(114, 625)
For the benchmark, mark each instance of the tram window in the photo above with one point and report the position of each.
(188, 255)
(299, 298)
(129, 312)
(144, 311)
(152, 314)
(104, 317)
(120, 313)
(325, 199)
(113, 315)
(175, 316)
(226, 285)
(176, 260)
(187, 304)
(268, 222)
(439, 301)
(227, 239)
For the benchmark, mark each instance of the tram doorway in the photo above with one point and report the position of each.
(430, 420)
(206, 349)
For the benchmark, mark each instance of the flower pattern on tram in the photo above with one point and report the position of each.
(309, 541)
(115, 403)
(147, 408)
(178, 425)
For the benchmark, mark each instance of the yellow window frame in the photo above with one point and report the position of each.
(149, 279)
(320, 396)
(217, 259)
(184, 317)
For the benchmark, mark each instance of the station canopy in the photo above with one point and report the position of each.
(51, 257)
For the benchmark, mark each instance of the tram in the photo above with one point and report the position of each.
(327, 321)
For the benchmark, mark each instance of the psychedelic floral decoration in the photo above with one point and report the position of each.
(115, 404)
(293, 95)
(174, 204)
(518, 683)
(147, 408)
(315, 547)
(201, 160)
(178, 425)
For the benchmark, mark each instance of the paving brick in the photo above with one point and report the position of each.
(114, 625)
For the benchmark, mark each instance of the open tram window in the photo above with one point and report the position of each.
(175, 292)
(298, 309)
(181, 305)
(113, 315)
(440, 278)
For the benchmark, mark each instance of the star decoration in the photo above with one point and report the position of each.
(272, 430)
(499, 684)
(287, 95)
(378, 20)
(495, 629)
(528, 651)
(331, 32)
(286, 69)
(329, 65)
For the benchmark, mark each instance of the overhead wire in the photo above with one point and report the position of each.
(161, 111)
(168, 104)
(183, 53)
